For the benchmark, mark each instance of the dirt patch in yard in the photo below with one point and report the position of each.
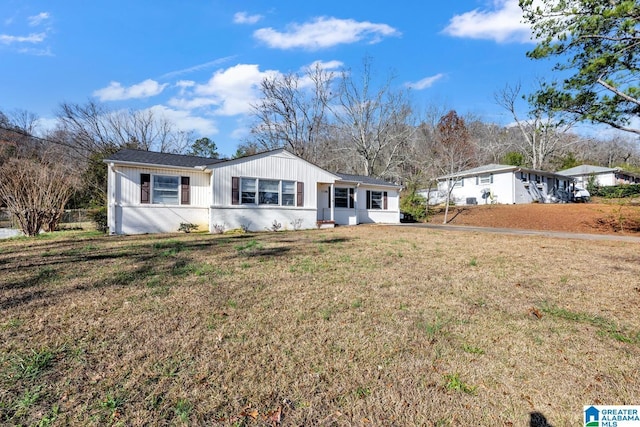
(595, 217)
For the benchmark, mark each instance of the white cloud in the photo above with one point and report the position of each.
(425, 83)
(31, 38)
(186, 103)
(244, 18)
(116, 92)
(185, 121)
(324, 32)
(325, 65)
(38, 19)
(501, 24)
(234, 90)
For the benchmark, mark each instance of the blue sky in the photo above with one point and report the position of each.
(200, 62)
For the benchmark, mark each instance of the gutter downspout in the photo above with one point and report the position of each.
(355, 203)
(111, 200)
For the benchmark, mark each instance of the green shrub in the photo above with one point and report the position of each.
(414, 205)
(99, 217)
(617, 191)
(187, 227)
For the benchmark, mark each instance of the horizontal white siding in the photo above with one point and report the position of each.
(501, 189)
(128, 184)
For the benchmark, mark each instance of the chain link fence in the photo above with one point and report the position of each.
(72, 218)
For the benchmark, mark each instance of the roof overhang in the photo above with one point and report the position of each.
(202, 168)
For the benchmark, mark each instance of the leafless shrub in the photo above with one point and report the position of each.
(36, 191)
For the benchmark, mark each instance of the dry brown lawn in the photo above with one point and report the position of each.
(367, 325)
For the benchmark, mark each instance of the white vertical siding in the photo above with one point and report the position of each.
(128, 216)
(280, 166)
(128, 184)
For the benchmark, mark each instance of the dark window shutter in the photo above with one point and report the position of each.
(185, 191)
(384, 200)
(477, 180)
(368, 199)
(300, 194)
(492, 178)
(235, 190)
(145, 187)
(351, 197)
(330, 195)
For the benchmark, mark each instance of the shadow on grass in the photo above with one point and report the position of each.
(138, 258)
(538, 420)
(333, 240)
(24, 298)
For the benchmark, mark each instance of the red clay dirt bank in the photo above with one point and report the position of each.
(594, 217)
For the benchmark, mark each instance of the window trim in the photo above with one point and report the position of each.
(148, 187)
(296, 193)
(384, 204)
(484, 179)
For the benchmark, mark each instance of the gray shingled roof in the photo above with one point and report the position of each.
(365, 179)
(163, 159)
(585, 170)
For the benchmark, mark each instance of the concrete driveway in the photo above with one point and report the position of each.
(9, 232)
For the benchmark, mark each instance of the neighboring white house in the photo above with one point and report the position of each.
(604, 177)
(151, 192)
(502, 184)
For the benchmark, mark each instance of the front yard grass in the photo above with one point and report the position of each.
(367, 325)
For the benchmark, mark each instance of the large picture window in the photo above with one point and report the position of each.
(165, 190)
(252, 191)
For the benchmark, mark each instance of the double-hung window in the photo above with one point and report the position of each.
(248, 191)
(376, 200)
(485, 179)
(288, 193)
(343, 197)
(164, 189)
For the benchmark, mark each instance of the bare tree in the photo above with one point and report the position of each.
(376, 122)
(454, 152)
(91, 132)
(293, 112)
(543, 130)
(419, 168)
(92, 128)
(36, 190)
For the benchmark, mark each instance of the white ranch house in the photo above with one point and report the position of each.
(502, 184)
(603, 177)
(150, 192)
